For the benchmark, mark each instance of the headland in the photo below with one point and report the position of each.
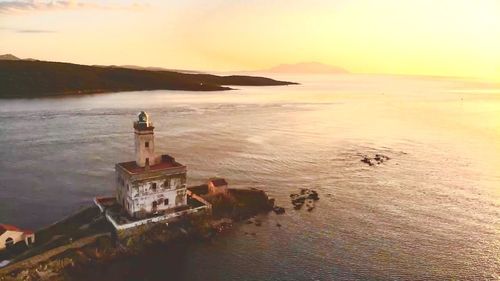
(32, 79)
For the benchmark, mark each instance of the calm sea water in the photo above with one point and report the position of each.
(430, 213)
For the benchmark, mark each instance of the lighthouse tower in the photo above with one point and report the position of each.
(151, 184)
(144, 141)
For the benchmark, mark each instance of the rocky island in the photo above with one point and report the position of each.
(33, 78)
(152, 206)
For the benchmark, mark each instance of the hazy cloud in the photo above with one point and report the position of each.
(34, 31)
(10, 6)
(26, 30)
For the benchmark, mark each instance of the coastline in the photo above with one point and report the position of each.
(32, 79)
(76, 243)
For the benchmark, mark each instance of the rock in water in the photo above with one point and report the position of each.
(298, 200)
(279, 210)
(313, 195)
(377, 160)
(367, 160)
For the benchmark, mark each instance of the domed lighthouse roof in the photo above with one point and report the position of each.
(143, 117)
(143, 121)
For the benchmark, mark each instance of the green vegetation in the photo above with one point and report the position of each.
(27, 79)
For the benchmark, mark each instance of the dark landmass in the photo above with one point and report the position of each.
(28, 79)
(85, 246)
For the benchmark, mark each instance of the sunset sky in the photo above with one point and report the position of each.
(431, 37)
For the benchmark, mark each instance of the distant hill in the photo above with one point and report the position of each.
(23, 78)
(9, 57)
(154, 68)
(306, 67)
(151, 68)
(12, 57)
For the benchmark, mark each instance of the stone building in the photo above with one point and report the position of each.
(10, 235)
(217, 185)
(152, 184)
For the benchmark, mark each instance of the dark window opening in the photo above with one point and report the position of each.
(165, 202)
(153, 185)
(147, 144)
(166, 184)
(9, 242)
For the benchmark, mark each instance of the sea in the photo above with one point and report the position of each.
(431, 212)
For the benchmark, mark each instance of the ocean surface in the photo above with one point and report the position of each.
(432, 212)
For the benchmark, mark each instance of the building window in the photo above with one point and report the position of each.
(146, 144)
(9, 242)
(153, 186)
(165, 202)
(166, 184)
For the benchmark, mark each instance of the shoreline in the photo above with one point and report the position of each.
(32, 79)
(60, 251)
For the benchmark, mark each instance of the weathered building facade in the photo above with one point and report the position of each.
(10, 235)
(152, 184)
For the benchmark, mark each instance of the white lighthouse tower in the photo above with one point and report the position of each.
(151, 184)
(144, 141)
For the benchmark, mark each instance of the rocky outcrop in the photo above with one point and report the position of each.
(239, 204)
(376, 160)
(96, 248)
(305, 197)
(278, 210)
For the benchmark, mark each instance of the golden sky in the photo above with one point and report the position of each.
(438, 37)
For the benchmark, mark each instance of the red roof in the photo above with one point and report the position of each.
(218, 182)
(167, 162)
(8, 227)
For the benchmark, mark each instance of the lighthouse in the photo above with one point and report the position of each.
(152, 184)
(144, 141)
